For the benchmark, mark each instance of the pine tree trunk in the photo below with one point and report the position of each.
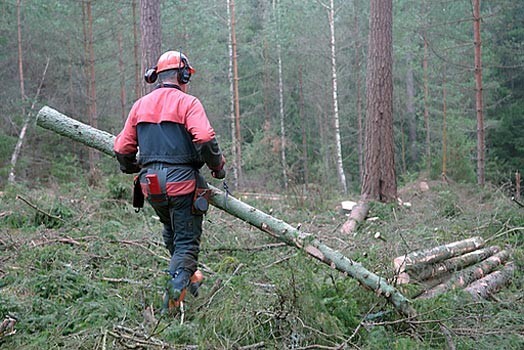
(410, 108)
(379, 177)
(151, 36)
(93, 115)
(481, 150)
(121, 70)
(18, 147)
(136, 48)
(426, 105)
(302, 114)
(103, 141)
(359, 96)
(444, 126)
(236, 98)
(336, 119)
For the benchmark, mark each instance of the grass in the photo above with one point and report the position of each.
(88, 275)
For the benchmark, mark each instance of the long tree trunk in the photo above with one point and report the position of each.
(93, 115)
(151, 36)
(121, 69)
(426, 104)
(232, 96)
(103, 141)
(280, 98)
(379, 177)
(302, 114)
(237, 136)
(481, 150)
(21, 136)
(338, 142)
(136, 49)
(410, 108)
(444, 125)
(358, 45)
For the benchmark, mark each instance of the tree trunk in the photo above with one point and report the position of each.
(426, 105)
(444, 126)
(232, 97)
(379, 176)
(121, 69)
(103, 141)
(302, 114)
(423, 272)
(237, 139)
(468, 275)
(338, 142)
(410, 108)
(94, 157)
(491, 283)
(481, 150)
(21, 136)
(359, 97)
(136, 48)
(281, 99)
(151, 36)
(358, 214)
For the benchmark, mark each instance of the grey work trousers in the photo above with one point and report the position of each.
(182, 231)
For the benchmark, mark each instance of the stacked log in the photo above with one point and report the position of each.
(466, 264)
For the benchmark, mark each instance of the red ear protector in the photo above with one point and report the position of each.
(150, 75)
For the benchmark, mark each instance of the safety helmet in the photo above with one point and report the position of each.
(173, 60)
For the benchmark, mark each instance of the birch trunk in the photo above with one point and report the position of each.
(236, 98)
(281, 101)
(103, 141)
(338, 143)
(21, 136)
(232, 96)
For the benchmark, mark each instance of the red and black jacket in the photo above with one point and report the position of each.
(172, 130)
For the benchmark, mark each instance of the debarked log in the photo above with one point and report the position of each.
(491, 283)
(55, 121)
(468, 275)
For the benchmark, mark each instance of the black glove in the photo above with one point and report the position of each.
(218, 174)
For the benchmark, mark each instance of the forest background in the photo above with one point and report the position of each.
(84, 59)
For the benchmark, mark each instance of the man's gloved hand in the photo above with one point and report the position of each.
(218, 174)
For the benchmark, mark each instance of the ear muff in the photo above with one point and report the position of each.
(150, 75)
(184, 75)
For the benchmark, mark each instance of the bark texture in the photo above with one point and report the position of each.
(379, 176)
(103, 141)
(468, 275)
(491, 283)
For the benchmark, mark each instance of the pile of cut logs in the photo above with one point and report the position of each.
(468, 264)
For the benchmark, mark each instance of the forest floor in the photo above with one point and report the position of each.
(79, 269)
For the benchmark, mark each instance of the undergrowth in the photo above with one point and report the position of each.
(82, 270)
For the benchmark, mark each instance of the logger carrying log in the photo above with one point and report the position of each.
(55, 121)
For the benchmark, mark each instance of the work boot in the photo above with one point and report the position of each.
(176, 286)
(195, 282)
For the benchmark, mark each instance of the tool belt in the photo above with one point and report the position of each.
(201, 196)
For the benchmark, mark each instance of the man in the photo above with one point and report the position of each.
(175, 139)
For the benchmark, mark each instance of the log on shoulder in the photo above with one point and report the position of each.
(103, 141)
